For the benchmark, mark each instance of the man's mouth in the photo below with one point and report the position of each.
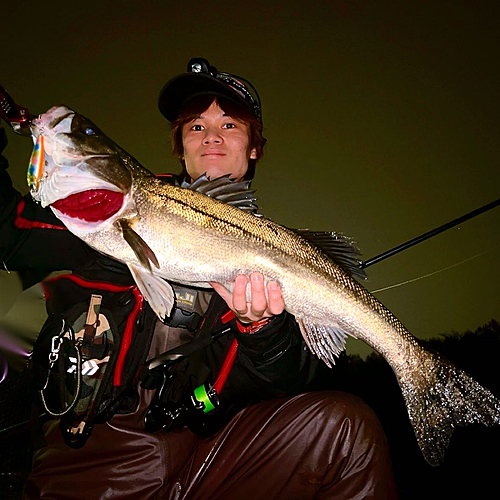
(93, 205)
(213, 153)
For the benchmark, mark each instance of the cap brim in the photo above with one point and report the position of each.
(181, 89)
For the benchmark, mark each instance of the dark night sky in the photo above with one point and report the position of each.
(381, 119)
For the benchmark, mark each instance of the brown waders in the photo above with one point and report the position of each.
(321, 445)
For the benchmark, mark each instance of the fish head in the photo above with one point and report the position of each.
(77, 170)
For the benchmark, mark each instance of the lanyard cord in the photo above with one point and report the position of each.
(233, 349)
(226, 367)
(78, 386)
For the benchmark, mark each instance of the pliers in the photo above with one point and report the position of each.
(16, 116)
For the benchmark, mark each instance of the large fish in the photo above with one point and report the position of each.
(162, 231)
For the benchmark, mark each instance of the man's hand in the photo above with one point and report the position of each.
(260, 307)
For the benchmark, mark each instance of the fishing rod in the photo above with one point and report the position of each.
(428, 234)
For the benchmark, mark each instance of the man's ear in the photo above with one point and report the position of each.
(253, 154)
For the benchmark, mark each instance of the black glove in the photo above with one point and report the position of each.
(3, 143)
(3, 139)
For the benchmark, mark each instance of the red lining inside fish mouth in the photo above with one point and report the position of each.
(93, 205)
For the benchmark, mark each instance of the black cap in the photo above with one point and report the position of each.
(203, 79)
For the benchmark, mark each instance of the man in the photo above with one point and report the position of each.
(267, 439)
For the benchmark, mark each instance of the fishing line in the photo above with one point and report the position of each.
(434, 272)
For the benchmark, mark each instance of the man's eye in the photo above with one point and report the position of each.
(229, 125)
(197, 128)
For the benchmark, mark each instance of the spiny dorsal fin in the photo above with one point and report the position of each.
(237, 194)
(141, 249)
(338, 247)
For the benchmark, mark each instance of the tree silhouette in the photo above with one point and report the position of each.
(471, 461)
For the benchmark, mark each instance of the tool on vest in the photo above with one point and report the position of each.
(91, 323)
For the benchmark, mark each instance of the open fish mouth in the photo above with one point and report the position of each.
(93, 205)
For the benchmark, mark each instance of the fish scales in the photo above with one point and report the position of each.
(196, 239)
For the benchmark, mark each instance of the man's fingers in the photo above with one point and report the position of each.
(276, 304)
(240, 305)
(262, 305)
(258, 305)
(222, 291)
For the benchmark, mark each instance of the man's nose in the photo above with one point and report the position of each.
(212, 136)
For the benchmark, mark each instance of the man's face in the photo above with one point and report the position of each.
(217, 145)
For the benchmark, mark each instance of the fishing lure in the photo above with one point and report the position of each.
(35, 168)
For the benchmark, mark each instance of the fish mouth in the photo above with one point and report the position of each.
(57, 116)
(93, 205)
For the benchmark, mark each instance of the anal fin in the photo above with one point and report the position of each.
(327, 342)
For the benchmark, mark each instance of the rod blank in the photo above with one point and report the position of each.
(429, 234)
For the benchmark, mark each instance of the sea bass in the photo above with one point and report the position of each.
(166, 232)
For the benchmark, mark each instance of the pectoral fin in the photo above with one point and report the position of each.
(141, 249)
(158, 292)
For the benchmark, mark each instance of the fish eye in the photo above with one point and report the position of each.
(89, 131)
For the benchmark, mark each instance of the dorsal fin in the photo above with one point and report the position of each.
(338, 247)
(237, 194)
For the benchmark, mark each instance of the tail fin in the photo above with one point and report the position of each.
(439, 397)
